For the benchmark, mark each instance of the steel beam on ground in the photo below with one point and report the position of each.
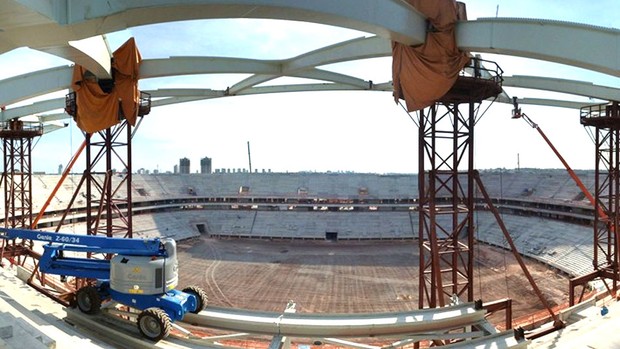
(339, 325)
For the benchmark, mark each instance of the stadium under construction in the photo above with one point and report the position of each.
(451, 256)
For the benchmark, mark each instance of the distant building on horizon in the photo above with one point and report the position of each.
(184, 166)
(205, 165)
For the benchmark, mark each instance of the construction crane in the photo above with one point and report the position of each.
(142, 274)
(517, 114)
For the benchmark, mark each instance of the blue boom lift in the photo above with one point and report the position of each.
(142, 274)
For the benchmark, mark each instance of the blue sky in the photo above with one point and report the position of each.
(324, 131)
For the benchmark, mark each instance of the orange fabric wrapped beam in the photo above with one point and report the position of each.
(423, 74)
(97, 109)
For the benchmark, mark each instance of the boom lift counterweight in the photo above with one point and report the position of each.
(142, 274)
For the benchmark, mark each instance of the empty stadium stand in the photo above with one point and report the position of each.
(543, 210)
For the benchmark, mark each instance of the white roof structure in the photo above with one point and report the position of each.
(75, 31)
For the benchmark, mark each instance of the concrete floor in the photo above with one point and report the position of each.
(344, 277)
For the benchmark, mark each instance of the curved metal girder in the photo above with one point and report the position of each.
(51, 26)
(37, 83)
(22, 87)
(573, 44)
(31, 109)
(360, 48)
(53, 117)
(573, 87)
(186, 92)
(339, 325)
(546, 102)
(173, 66)
(93, 52)
(59, 78)
(392, 19)
(47, 128)
(173, 96)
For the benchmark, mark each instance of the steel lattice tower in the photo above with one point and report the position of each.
(605, 119)
(17, 139)
(17, 146)
(446, 184)
(108, 189)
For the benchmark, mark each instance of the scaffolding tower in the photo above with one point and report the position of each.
(605, 119)
(107, 188)
(446, 184)
(17, 137)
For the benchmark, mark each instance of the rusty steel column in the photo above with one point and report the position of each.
(17, 139)
(108, 185)
(605, 118)
(17, 177)
(446, 186)
(17, 182)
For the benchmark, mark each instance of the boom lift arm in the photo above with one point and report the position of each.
(54, 261)
(517, 114)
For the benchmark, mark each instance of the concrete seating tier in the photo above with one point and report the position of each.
(554, 185)
(308, 225)
(567, 247)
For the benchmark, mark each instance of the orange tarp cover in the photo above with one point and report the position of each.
(97, 110)
(423, 74)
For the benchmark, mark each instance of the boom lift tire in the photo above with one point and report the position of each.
(154, 324)
(88, 300)
(200, 295)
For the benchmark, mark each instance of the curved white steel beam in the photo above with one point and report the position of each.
(310, 87)
(30, 24)
(392, 19)
(578, 45)
(50, 26)
(265, 70)
(37, 83)
(162, 67)
(47, 128)
(93, 52)
(573, 87)
(22, 87)
(176, 100)
(546, 102)
(360, 48)
(31, 109)
(186, 92)
(173, 96)
(338, 325)
(53, 117)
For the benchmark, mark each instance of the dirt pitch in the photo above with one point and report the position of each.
(345, 276)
